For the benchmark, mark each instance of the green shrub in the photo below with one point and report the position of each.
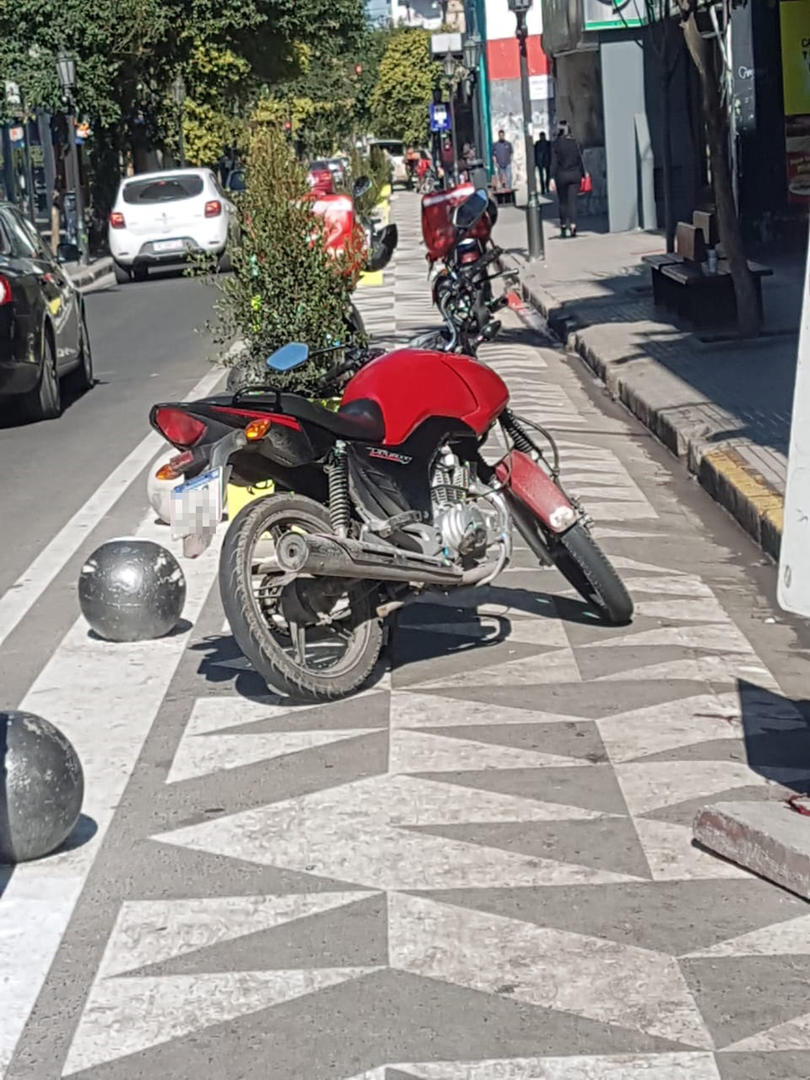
(285, 285)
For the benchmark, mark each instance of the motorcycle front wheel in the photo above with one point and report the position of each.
(582, 562)
(311, 639)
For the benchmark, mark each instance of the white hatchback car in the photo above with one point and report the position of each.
(166, 217)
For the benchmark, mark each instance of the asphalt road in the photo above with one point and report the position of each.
(480, 867)
(149, 344)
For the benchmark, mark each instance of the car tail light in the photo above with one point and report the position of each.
(179, 427)
(5, 291)
(117, 220)
(213, 208)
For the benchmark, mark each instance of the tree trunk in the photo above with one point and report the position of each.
(748, 314)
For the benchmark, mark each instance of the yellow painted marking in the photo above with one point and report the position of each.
(768, 503)
(241, 496)
(371, 278)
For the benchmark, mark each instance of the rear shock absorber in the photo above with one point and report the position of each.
(339, 501)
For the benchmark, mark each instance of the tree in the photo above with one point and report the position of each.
(715, 113)
(400, 103)
(128, 53)
(285, 285)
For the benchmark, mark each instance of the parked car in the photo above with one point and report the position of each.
(167, 217)
(394, 150)
(236, 182)
(339, 169)
(43, 330)
(321, 178)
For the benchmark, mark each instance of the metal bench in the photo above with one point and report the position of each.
(690, 251)
(681, 282)
(709, 299)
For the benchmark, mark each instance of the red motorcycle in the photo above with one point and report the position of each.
(375, 503)
(461, 283)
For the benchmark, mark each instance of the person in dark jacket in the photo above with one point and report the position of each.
(542, 161)
(567, 171)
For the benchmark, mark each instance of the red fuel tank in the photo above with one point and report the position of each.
(411, 385)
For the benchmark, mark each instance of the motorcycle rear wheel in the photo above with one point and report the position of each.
(258, 610)
(582, 562)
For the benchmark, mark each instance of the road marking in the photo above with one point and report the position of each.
(104, 697)
(18, 600)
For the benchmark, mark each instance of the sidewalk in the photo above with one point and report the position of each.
(720, 404)
(96, 275)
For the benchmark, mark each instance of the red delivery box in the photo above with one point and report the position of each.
(437, 220)
(339, 220)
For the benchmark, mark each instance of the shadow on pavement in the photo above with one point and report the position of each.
(776, 732)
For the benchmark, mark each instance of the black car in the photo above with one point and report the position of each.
(43, 332)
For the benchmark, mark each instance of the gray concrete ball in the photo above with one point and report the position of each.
(132, 590)
(42, 787)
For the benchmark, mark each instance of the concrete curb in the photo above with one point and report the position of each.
(768, 838)
(96, 275)
(730, 480)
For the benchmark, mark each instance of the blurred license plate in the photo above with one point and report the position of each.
(168, 245)
(197, 506)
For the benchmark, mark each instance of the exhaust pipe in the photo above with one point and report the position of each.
(330, 556)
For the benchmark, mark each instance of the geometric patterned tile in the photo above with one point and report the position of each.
(590, 977)
(771, 992)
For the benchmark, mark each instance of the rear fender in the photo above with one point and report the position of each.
(536, 491)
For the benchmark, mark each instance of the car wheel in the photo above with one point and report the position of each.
(224, 262)
(44, 402)
(140, 273)
(81, 378)
(122, 275)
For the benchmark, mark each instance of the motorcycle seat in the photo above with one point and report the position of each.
(357, 421)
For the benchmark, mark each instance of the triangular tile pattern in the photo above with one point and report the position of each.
(522, 821)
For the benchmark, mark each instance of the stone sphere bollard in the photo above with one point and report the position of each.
(132, 590)
(42, 787)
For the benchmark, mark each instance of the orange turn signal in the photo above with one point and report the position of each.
(166, 472)
(257, 429)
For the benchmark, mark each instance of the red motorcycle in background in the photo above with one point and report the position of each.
(461, 283)
(375, 503)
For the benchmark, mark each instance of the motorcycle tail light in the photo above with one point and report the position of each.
(179, 427)
(117, 220)
(5, 290)
(469, 257)
(213, 208)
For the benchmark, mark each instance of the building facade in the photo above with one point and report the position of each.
(501, 102)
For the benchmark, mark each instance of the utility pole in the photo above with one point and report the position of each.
(534, 219)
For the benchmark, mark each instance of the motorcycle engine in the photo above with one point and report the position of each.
(466, 525)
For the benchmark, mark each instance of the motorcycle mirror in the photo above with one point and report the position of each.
(361, 185)
(288, 356)
(470, 212)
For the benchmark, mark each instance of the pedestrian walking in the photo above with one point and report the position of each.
(567, 172)
(502, 156)
(542, 161)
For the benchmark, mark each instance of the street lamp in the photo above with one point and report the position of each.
(534, 220)
(74, 203)
(450, 74)
(179, 95)
(472, 58)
